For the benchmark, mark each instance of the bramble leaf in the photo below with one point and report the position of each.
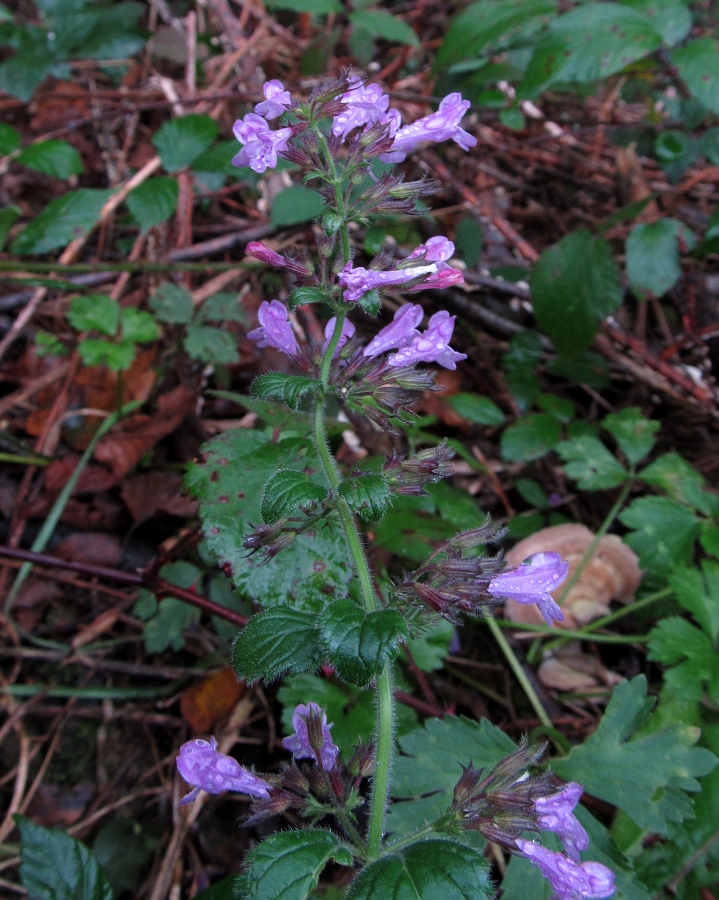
(653, 265)
(56, 158)
(211, 345)
(181, 140)
(63, 219)
(380, 24)
(477, 409)
(296, 204)
(275, 642)
(698, 65)
(154, 201)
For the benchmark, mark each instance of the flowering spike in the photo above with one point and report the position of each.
(364, 104)
(261, 146)
(569, 880)
(532, 583)
(276, 101)
(274, 331)
(312, 737)
(202, 766)
(432, 345)
(358, 281)
(442, 125)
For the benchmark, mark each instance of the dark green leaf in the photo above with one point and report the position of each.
(317, 7)
(663, 533)
(698, 65)
(218, 159)
(154, 201)
(698, 592)
(531, 493)
(287, 865)
(710, 149)
(633, 433)
(275, 642)
(531, 437)
(181, 140)
(469, 239)
(562, 409)
(54, 866)
(224, 306)
(380, 24)
(28, 67)
(172, 304)
(56, 158)
(302, 295)
(289, 388)
(480, 410)
(520, 364)
(117, 357)
(671, 18)
(371, 303)
(94, 312)
(671, 146)
(653, 257)
(671, 473)
(695, 664)
(211, 345)
(63, 219)
(426, 870)
(647, 775)
(138, 326)
(123, 848)
(8, 216)
(9, 139)
(296, 204)
(575, 286)
(367, 495)
(590, 464)
(358, 644)
(288, 492)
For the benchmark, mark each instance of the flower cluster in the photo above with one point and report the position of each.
(312, 738)
(203, 766)
(532, 582)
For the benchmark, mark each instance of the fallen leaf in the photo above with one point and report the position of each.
(204, 704)
(91, 632)
(91, 547)
(156, 492)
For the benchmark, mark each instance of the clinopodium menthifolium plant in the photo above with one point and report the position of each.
(305, 561)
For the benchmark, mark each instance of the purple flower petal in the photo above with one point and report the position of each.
(442, 125)
(365, 105)
(261, 146)
(569, 880)
(400, 332)
(357, 281)
(555, 814)
(532, 583)
(431, 346)
(275, 330)
(348, 331)
(299, 743)
(202, 766)
(276, 101)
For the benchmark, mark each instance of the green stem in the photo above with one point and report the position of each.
(437, 825)
(339, 197)
(582, 634)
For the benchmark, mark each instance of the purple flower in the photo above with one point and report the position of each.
(400, 332)
(348, 331)
(301, 744)
(431, 346)
(532, 583)
(555, 814)
(365, 105)
(357, 281)
(202, 766)
(569, 880)
(442, 125)
(261, 251)
(276, 101)
(437, 250)
(261, 144)
(274, 331)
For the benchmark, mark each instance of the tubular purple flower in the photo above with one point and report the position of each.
(299, 743)
(400, 332)
(555, 814)
(261, 144)
(569, 880)
(356, 281)
(275, 330)
(202, 766)
(258, 250)
(437, 250)
(364, 105)
(442, 125)
(431, 346)
(348, 331)
(276, 101)
(532, 583)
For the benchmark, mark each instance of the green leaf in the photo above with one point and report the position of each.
(531, 493)
(123, 849)
(8, 216)
(117, 357)
(590, 464)
(168, 619)
(698, 65)
(154, 201)
(671, 18)
(276, 642)
(575, 285)
(653, 257)
(482, 25)
(181, 140)
(287, 865)
(225, 306)
(663, 533)
(468, 238)
(480, 410)
(138, 326)
(429, 650)
(380, 24)
(645, 775)
(172, 304)
(317, 7)
(94, 312)
(211, 345)
(710, 149)
(296, 204)
(562, 409)
(357, 643)
(520, 363)
(63, 219)
(367, 495)
(371, 303)
(698, 592)
(633, 432)
(229, 484)
(530, 438)
(29, 66)
(218, 159)
(9, 139)
(426, 870)
(590, 42)
(671, 473)
(695, 664)
(287, 492)
(56, 158)
(54, 866)
(289, 388)
(302, 295)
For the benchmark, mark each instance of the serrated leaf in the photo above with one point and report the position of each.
(225, 306)
(590, 464)
(211, 345)
(154, 201)
(9, 139)
(287, 492)
(575, 285)
(56, 158)
(168, 619)
(530, 438)
(671, 473)
(289, 388)
(426, 870)
(94, 312)
(218, 159)
(653, 257)
(367, 495)
(116, 356)
(63, 219)
(671, 18)
(633, 772)
(698, 66)
(287, 865)
(663, 533)
(698, 592)
(371, 303)
(181, 140)
(695, 664)
(172, 304)
(54, 866)
(632, 431)
(302, 295)
(29, 66)
(229, 484)
(358, 644)
(296, 204)
(473, 408)
(276, 642)
(138, 326)
(380, 24)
